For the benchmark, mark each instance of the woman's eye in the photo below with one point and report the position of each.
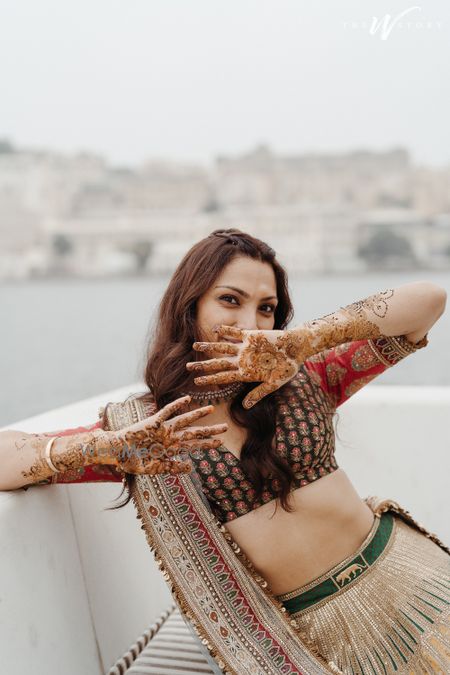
(269, 308)
(227, 297)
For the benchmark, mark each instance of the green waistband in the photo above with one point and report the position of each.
(348, 572)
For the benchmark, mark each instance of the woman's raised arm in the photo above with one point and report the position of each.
(273, 357)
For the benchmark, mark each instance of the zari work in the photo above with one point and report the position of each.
(385, 608)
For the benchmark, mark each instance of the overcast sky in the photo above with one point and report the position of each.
(191, 79)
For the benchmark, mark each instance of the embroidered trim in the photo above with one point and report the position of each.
(391, 349)
(383, 554)
(326, 575)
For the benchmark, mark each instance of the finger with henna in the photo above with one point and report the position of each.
(222, 347)
(211, 364)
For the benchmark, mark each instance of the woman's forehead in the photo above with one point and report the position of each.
(247, 272)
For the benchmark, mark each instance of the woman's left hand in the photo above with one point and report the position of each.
(258, 356)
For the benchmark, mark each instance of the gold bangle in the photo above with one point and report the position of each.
(47, 455)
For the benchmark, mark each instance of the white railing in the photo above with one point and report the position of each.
(78, 584)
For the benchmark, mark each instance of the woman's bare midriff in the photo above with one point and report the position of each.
(329, 521)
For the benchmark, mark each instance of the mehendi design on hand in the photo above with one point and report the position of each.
(75, 455)
(79, 451)
(20, 447)
(376, 303)
(147, 447)
(259, 359)
(350, 324)
(150, 446)
(275, 361)
(39, 470)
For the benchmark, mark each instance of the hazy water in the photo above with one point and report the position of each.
(62, 341)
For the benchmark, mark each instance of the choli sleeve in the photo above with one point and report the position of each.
(345, 369)
(95, 473)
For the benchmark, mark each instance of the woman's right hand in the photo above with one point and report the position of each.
(151, 445)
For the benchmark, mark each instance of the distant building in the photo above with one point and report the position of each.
(323, 213)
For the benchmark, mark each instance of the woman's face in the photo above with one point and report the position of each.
(244, 296)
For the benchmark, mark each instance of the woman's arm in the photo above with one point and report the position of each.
(409, 310)
(343, 370)
(149, 446)
(274, 357)
(22, 458)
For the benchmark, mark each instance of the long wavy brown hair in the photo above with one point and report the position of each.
(175, 330)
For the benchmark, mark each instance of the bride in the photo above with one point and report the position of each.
(243, 406)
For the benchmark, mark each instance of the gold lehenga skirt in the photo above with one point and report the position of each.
(385, 608)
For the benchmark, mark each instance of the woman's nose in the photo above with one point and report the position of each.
(248, 322)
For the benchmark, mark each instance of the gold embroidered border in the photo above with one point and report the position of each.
(389, 349)
(372, 567)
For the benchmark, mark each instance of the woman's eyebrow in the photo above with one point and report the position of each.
(246, 295)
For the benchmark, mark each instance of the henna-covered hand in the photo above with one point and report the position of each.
(152, 445)
(259, 356)
(155, 445)
(273, 357)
